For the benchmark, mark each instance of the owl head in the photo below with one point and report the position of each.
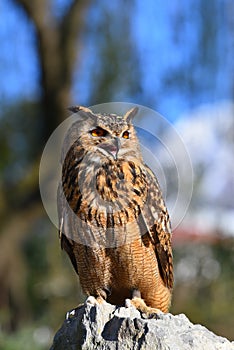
(106, 136)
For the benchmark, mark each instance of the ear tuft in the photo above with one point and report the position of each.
(128, 116)
(76, 109)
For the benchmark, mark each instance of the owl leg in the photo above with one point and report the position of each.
(140, 305)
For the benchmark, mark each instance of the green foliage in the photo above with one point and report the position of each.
(204, 284)
(27, 339)
(21, 145)
(20, 136)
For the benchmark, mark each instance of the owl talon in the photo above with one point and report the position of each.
(91, 300)
(150, 315)
(146, 311)
(128, 303)
(95, 301)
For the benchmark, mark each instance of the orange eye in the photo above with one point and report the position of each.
(125, 135)
(98, 132)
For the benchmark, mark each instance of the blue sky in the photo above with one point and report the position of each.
(18, 60)
(168, 38)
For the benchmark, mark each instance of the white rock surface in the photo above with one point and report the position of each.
(107, 327)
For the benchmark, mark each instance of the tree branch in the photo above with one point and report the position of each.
(57, 51)
(70, 31)
(36, 10)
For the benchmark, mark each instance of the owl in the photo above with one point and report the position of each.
(113, 222)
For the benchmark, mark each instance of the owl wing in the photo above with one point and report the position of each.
(65, 195)
(64, 227)
(157, 225)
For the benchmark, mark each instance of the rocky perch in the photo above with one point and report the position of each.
(108, 327)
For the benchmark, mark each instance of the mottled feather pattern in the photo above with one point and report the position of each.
(114, 224)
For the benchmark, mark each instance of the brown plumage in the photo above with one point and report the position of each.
(114, 224)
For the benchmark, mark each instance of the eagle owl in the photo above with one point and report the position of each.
(114, 224)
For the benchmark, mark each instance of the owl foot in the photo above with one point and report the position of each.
(140, 305)
(95, 301)
(90, 300)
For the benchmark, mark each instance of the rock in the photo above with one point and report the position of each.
(107, 327)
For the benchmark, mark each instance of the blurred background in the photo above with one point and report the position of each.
(175, 57)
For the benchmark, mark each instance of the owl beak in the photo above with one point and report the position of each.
(116, 147)
(112, 147)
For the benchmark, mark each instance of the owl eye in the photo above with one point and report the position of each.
(98, 132)
(125, 134)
